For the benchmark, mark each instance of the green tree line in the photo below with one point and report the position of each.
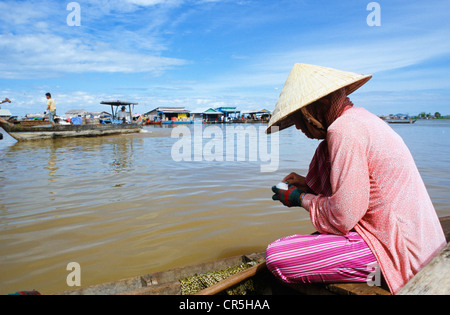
(436, 115)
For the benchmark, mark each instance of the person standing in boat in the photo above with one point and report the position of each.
(51, 108)
(363, 191)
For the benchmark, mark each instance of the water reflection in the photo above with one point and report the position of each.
(78, 154)
(52, 166)
(122, 154)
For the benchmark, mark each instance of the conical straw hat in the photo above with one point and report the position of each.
(307, 84)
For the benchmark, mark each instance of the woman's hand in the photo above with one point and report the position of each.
(290, 198)
(297, 180)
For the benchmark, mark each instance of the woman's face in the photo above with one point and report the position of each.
(304, 123)
(298, 116)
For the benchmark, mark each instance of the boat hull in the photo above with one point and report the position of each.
(42, 132)
(170, 122)
(399, 121)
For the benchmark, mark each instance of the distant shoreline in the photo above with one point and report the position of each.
(431, 118)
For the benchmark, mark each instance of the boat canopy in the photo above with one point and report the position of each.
(118, 104)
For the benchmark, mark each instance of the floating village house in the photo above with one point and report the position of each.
(262, 114)
(76, 113)
(211, 115)
(168, 113)
(208, 115)
(230, 113)
(5, 114)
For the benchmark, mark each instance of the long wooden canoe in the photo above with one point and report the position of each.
(169, 282)
(52, 131)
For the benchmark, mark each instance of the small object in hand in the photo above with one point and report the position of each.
(282, 186)
(290, 197)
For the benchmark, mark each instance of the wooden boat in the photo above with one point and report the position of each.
(53, 131)
(170, 122)
(400, 121)
(39, 130)
(170, 282)
(178, 122)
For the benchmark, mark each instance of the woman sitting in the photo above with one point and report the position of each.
(363, 191)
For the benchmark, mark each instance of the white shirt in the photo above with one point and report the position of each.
(121, 115)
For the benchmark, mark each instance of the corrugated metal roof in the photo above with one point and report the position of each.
(207, 111)
(5, 113)
(117, 103)
(169, 110)
(262, 111)
(76, 112)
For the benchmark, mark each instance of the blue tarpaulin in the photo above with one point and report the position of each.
(77, 120)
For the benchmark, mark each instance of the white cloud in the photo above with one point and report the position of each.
(368, 57)
(46, 55)
(14, 13)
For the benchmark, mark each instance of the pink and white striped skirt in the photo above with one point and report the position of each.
(321, 258)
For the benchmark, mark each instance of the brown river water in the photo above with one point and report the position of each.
(122, 206)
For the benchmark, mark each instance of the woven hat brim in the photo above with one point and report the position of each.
(289, 101)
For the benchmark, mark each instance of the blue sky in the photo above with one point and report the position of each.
(211, 53)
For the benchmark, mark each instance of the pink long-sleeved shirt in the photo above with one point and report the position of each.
(377, 190)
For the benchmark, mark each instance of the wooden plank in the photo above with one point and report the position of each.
(433, 279)
(172, 288)
(183, 272)
(356, 289)
(233, 280)
(157, 283)
(109, 288)
(28, 123)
